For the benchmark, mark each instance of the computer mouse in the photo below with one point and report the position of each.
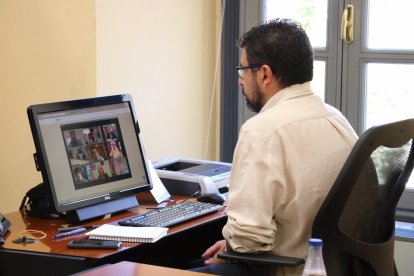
(215, 198)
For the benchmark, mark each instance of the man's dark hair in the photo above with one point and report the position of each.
(284, 46)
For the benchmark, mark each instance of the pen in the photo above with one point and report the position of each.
(73, 232)
(70, 228)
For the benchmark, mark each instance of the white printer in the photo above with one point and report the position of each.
(186, 176)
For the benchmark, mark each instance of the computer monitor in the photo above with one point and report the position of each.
(90, 155)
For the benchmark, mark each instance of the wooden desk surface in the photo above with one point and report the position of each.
(135, 269)
(21, 223)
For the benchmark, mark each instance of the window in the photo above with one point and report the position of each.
(369, 79)
(314, 18)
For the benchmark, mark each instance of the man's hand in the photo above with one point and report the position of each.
(211, 254)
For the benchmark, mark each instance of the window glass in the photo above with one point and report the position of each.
(390, 95)
(313, 15)
(389, 24)
(318, 82)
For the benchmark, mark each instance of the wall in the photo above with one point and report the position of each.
(47, 53)
(162, 52)
(404, 252)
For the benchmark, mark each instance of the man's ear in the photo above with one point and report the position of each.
(267, 75)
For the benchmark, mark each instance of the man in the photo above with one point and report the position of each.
(111, 135)
(78, 175)
(287, 156)
(92, 136)
(73, 139)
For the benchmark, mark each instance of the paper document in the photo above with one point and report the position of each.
(159, 192)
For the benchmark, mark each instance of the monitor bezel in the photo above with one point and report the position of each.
(42, 162)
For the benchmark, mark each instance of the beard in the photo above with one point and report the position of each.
(255, 102)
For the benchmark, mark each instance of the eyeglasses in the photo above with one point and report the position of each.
(241, 69)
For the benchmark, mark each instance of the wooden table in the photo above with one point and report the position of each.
(137, 269)
(52, 256)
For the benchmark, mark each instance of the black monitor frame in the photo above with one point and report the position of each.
(98, 204)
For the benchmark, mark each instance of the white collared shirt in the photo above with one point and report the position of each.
(286, 160)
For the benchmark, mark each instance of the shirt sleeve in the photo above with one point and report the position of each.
(256, 193)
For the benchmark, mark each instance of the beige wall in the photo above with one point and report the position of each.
(161, 51)
(47, 53)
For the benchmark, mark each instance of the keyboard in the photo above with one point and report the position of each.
(171, 215)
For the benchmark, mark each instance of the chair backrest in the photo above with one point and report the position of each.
(357, 219)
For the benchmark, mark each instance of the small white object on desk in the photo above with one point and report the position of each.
(158, 191)
(127, 233)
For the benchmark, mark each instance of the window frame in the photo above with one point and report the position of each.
(347, 96)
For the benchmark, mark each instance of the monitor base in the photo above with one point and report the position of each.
(102, 209)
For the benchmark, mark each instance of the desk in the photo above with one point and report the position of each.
(135, 269)
(52, 257)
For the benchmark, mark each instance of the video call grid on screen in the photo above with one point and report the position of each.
(89, 151)
(95, 152)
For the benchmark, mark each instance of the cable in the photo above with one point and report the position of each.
(34, 236)
(215, 77)
(33, 233)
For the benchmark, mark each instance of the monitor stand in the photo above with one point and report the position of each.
(102, 209)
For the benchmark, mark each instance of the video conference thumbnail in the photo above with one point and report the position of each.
(95, 152)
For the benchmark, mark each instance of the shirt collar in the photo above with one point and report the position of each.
(293, 91)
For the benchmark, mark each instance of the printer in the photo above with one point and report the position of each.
(186, 176)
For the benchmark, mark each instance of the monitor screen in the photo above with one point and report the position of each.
(89, 150)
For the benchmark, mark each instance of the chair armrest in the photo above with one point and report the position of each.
(260, 258)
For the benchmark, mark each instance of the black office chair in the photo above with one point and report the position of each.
(357, 219)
